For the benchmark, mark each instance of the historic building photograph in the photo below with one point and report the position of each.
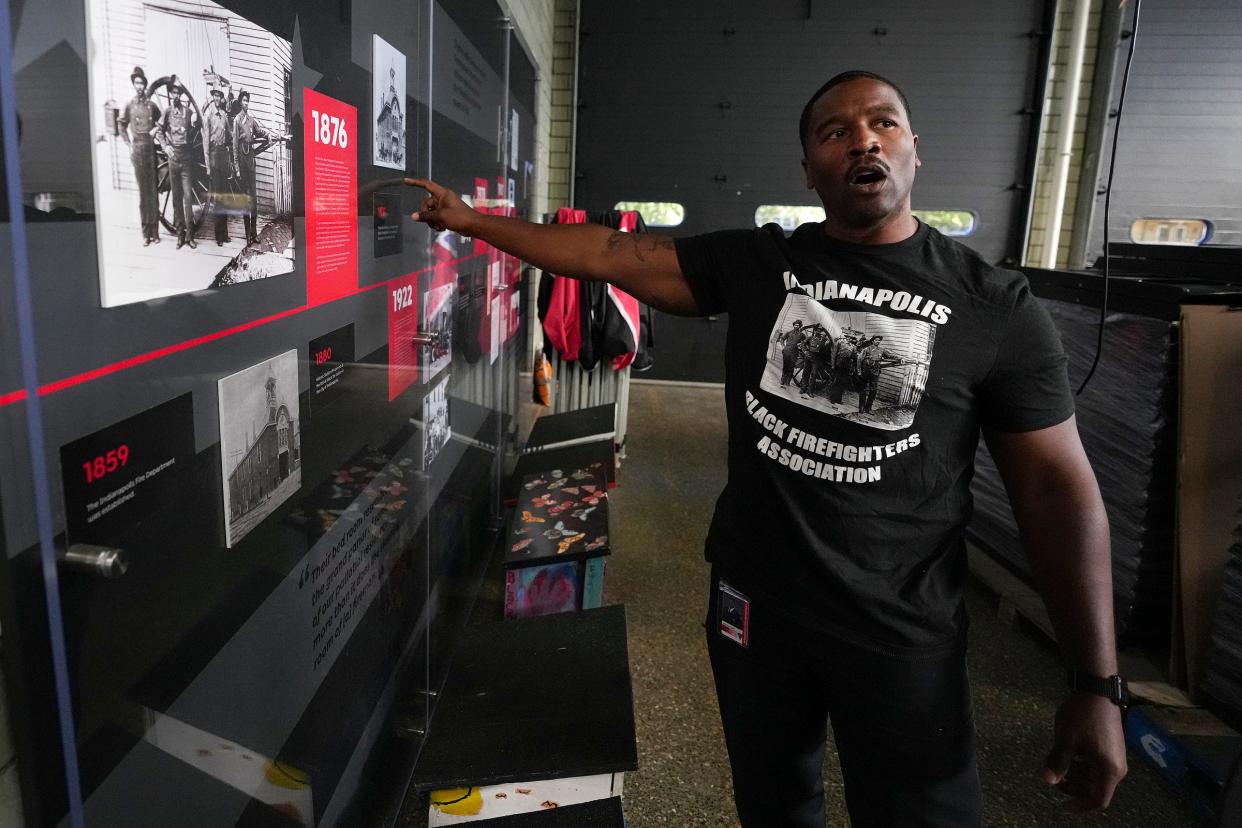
(260, 442)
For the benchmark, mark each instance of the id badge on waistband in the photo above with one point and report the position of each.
(733, 610)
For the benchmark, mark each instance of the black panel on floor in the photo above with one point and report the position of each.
(538, 698)
(573, 426)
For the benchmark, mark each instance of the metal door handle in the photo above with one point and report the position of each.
(104, 561)
(426, 339)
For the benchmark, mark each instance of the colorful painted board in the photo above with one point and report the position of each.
(562, 514)
(558, 541)
(543, 590)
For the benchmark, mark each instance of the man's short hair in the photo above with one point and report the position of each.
(798, 322)
(216, 93)
(243, 96)
(836, 80)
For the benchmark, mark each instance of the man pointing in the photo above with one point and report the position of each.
(844, 602)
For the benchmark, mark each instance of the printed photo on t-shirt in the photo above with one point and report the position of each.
(864, 367)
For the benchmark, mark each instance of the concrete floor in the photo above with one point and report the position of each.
(668, 483)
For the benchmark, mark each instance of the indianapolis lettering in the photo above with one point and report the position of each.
(899, 300)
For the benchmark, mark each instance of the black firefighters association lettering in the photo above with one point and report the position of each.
(789, 445)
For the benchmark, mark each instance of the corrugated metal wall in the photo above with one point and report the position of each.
(1179, 155)
(698, 102)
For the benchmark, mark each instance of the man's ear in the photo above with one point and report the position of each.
(918, 162)
(806, 173)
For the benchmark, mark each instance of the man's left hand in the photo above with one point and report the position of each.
(1088, 757)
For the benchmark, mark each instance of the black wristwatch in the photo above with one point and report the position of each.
(1113, 688)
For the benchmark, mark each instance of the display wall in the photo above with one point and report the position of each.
(252, 417)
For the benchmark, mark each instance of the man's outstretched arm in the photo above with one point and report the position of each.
(644, 265)
(1064, 531)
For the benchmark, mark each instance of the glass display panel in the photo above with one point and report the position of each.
(273, 410)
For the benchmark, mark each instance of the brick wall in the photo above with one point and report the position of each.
(548, 30)
(563, 104)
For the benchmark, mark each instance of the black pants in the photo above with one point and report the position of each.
(221, 166)
(181, 177)
(142, 154)
(812, 375)
(789, 361)
(866, 395)
(246, 179)
(903, 728)
(840, 383)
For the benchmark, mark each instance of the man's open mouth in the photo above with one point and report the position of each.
(867, 177)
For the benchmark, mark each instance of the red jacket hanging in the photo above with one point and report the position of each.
(589, 321)
(562, 323)
(621, 319)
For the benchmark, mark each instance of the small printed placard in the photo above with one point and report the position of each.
(331, 128)
(126, 471)
(404, 352)
(386, 219)
(331, 356)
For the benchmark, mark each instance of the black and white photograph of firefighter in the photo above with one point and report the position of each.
(190, 116)
(436, 429)
(260, 442)
(867, 368)
(438, 319)
(388, 93)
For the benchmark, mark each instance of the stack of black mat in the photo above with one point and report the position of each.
(1127, 418)
(1223, 681)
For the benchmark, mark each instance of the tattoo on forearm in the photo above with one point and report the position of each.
(639, 244)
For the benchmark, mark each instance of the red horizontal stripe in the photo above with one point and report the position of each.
(104, 370)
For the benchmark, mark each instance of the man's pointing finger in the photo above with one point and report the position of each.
(430, 186)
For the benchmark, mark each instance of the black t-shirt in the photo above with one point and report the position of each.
(849, 485)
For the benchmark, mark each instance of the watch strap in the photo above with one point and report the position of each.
(1113, 688)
